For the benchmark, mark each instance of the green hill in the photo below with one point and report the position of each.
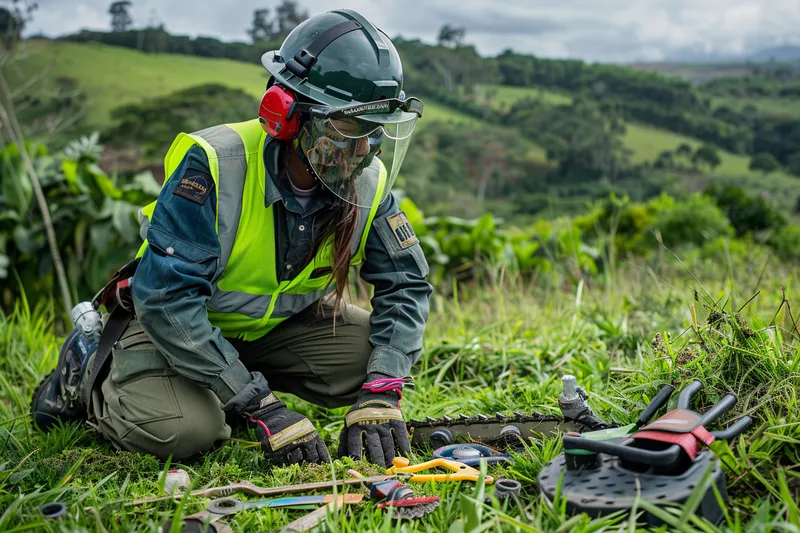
(646, 142)
(771, 106)
(112, 76)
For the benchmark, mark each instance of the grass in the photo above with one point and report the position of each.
(647, 142)
(488, 347)
(505, 95)
(436, 112)
(112, 76)
(698, 72)
(772, 106)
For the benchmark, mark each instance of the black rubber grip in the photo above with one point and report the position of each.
(717, 410)
(734, 430)
(665, 457)
(690, 390)
(661, 398)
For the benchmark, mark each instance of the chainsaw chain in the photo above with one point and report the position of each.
(498, 418)
(487, 430)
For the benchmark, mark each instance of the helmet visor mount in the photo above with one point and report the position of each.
(340, 143)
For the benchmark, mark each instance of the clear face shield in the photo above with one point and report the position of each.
(346, 146)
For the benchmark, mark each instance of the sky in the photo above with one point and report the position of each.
(592, 30)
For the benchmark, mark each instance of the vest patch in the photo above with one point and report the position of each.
(195, 187)
(402, 230)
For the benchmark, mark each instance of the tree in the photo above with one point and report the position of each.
(451, 36)
(13, 19)
(262, 26)
(665, 160)
(706, 154)
(684, 150)
(120, 18)
(764, 162)
(793, 164)
(746, 213)
(287, 18)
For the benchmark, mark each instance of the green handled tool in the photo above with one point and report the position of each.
(586, 458)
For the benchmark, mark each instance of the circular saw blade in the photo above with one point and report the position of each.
(411, 508)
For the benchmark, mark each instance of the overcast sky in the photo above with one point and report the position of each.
(594, 30)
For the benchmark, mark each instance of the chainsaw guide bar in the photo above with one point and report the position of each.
(482, 428)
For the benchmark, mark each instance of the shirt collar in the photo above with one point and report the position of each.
(276, 188)
(271, 191)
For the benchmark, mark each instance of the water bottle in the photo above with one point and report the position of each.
(87, 320)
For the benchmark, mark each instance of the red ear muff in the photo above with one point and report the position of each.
(277, 114)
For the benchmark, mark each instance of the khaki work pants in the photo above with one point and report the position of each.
(144, 406)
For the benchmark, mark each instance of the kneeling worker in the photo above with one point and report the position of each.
(236, 293)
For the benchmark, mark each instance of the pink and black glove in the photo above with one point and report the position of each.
(286, 437)
(376, 423)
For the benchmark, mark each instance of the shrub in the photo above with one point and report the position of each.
(693, 221)
(786, 242)
(747, 214)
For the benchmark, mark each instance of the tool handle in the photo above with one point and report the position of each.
(735, 430)
(661, 398)
(725, 404)
(690, 390)
(307, 487)
(664, 457)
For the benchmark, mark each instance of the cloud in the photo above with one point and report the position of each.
(595, 30)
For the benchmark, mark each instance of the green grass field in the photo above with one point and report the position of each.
(436, 112)
(492, 348)
(112, 76)
(506, 95)
(697, 72)
(647, 142)
(773, 106)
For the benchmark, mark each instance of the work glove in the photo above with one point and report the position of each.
(374, 428)
(286, 437)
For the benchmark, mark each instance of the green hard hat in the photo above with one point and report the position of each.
(338, 58)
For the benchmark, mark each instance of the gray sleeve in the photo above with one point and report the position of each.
(396, 266)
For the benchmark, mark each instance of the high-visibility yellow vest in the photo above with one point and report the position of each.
(248, 300)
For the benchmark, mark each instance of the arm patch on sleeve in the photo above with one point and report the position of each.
(402, 230)
(195, 186)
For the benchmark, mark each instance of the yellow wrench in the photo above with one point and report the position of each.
(461, 472)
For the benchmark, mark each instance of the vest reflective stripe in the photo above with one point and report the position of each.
(367, 188)
(291, 304)
(255, 306)
(252, 305)
(231, 162)
(248, 300)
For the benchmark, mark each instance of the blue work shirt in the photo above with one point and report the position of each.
(173, 283)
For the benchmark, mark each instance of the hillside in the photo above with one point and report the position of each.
(112, 76)
(697, 72)
(645, 142)
(524, 181)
